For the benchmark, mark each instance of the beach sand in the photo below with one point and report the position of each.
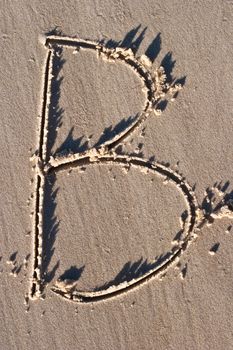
(136, 239)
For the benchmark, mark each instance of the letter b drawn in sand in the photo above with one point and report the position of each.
(156, 88)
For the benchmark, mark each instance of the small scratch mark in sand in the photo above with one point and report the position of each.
(213, 250)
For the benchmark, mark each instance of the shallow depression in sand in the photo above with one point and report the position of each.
(109, 220)
(93, 100)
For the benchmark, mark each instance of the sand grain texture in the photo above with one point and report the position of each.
(105, 224)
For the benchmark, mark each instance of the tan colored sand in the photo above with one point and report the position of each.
(111, 217)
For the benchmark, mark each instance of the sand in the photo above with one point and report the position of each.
(116, 184)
